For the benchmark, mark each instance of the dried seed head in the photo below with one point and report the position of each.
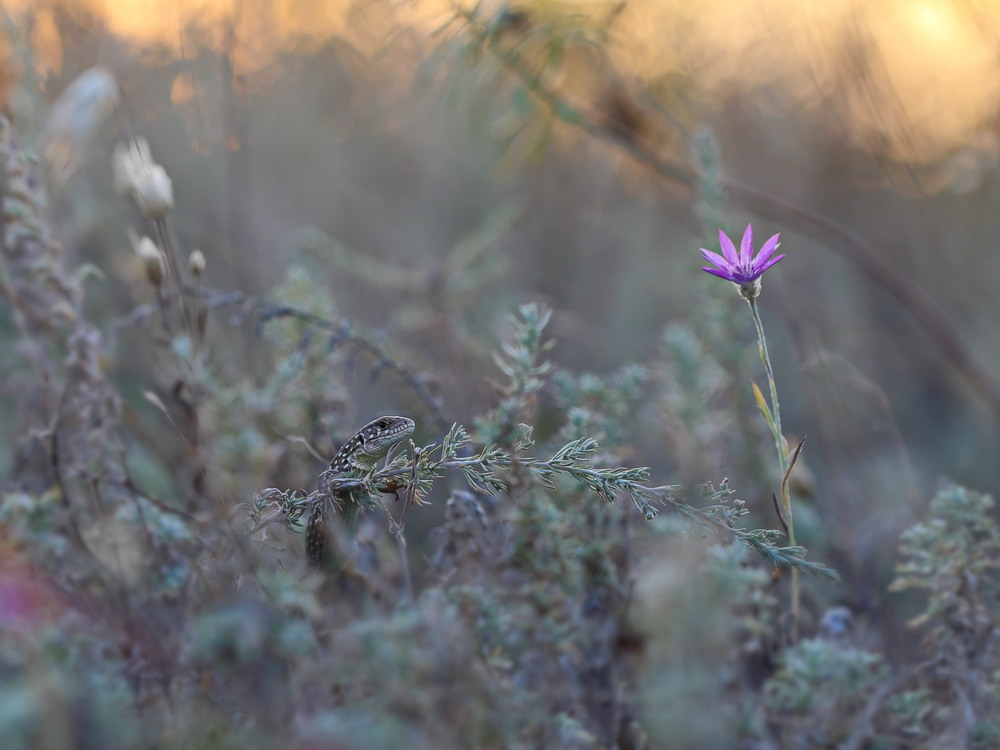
(153, 263)
(154, 194)
(142, 179)
(196, 263)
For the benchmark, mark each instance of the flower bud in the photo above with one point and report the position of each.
(751, 290)
(153, 262)
(154, 193)
(196, 263)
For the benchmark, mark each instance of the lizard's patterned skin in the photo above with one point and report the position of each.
(356, 459)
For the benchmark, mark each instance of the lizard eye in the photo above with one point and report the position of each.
(382, 424)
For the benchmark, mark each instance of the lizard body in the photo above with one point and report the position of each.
(357, 458)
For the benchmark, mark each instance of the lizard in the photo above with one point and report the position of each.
(354, 460)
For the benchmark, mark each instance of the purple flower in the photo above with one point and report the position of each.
(742, 269)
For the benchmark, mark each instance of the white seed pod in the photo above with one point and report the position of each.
(142, 179)
(196, 263)
(153, 263)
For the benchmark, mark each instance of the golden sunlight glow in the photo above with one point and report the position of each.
(913, 78)
(918, 80)
(141, 19)
(941, 81)
(46, 43)
(933, 17)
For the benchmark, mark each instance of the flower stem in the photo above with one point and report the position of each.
(779, 444)
(167, 246)
(779, 441)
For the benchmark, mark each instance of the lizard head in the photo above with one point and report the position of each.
(373, 440)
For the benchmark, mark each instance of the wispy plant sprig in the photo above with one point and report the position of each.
(520, 359)
(715, 515)
(139, 177)
(482, 473)
(272, 505)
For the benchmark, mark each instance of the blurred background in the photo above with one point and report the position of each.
(386, 133)
(366, 122)
(429, 166)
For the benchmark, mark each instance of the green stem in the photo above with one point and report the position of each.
(779, 440)
(779, 444)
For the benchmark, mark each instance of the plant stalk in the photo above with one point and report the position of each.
(779, 444)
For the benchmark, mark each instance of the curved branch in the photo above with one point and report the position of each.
(910, 295)
(341, 331)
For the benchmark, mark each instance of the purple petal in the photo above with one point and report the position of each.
(746, 247)
(767, 250)
(721, 274)
(716, 259)
(768, 264)
(728, 249)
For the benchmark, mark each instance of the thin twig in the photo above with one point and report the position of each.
(397, 528)
(169, 250)
(342, 331)
(411, 486)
